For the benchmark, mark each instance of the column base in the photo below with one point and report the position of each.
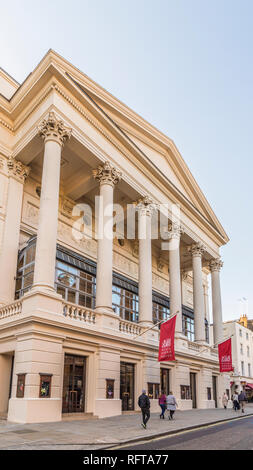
(35, 410)
(105, 408)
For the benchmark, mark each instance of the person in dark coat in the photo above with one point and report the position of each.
(144, 404)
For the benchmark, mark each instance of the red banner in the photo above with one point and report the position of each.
(225, 356)
(166, 346)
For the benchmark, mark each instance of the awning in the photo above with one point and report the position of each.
(249, 386)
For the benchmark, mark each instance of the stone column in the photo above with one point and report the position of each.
(145, 208)
(175, 275)
(215, 267)
(9, 252)
(55, 134)
(108, 178)
(198, 293)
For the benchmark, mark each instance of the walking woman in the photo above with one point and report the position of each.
(171, 404)
(225, 400)
(162, 403)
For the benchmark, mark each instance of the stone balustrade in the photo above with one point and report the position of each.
(77, 312)
(10, 310)
(194, 346)
(129, 327)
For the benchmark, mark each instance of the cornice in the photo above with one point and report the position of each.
(6, 124)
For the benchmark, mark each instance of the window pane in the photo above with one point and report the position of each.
(30, 254)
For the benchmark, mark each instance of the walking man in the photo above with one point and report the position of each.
(242, 399)
(144, 404)
(236, 401)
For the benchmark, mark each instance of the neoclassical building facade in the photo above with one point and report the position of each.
(82, 291)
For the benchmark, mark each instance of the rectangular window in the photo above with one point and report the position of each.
(110, 388)
(249, 370)
(75, 285)
(247, 335)
(153, 390)
(160, 312)
(45, 385)
(185, 392)
(188, 327)
(209, 393)
(241, 348)
(242, 366)
(248, 351)
(21, 386)
(240, 332)
(125, 303)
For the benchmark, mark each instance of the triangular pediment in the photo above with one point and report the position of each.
(157, 151)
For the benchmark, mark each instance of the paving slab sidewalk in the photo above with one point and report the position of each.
(107, 432)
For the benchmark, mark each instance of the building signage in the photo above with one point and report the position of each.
(225, 356)
(166, 346)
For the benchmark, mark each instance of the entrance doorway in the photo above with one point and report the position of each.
(165, 380)
(193, 389)
(215, 390)
(74, 384)
(127, 386)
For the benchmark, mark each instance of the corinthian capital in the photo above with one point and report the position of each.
(107, 174)
(215, 264)
(197, 249)
(54, 129)
(146, 206)
(175, 231)
(17, 169)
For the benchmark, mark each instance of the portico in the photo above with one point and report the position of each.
(67, 295)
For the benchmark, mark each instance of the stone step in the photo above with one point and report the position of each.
(78, 416)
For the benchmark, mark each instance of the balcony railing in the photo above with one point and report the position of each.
(129, 327)
(10, 310)
(76, 312)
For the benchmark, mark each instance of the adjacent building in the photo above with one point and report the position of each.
(242, 355)
(78, 297)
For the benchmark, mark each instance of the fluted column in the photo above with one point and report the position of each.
(145, 208)
(175, 274)
(215, 267)
(55, 134)
(108, 178)
(198, 293)
(17, 173)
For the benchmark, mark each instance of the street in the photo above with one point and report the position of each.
(234, 435)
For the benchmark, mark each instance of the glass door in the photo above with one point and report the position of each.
(127, 386)
(215, 390)
(165, 381)
(193, 389)
(73, 384)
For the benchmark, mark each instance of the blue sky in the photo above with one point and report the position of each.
(184, 65)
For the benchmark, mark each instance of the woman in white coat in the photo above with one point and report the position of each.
(171, 404)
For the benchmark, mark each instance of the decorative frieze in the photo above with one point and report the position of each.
(215, 264)
(107, 174)
(135, 250)
(17, 170)
(54, 129)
